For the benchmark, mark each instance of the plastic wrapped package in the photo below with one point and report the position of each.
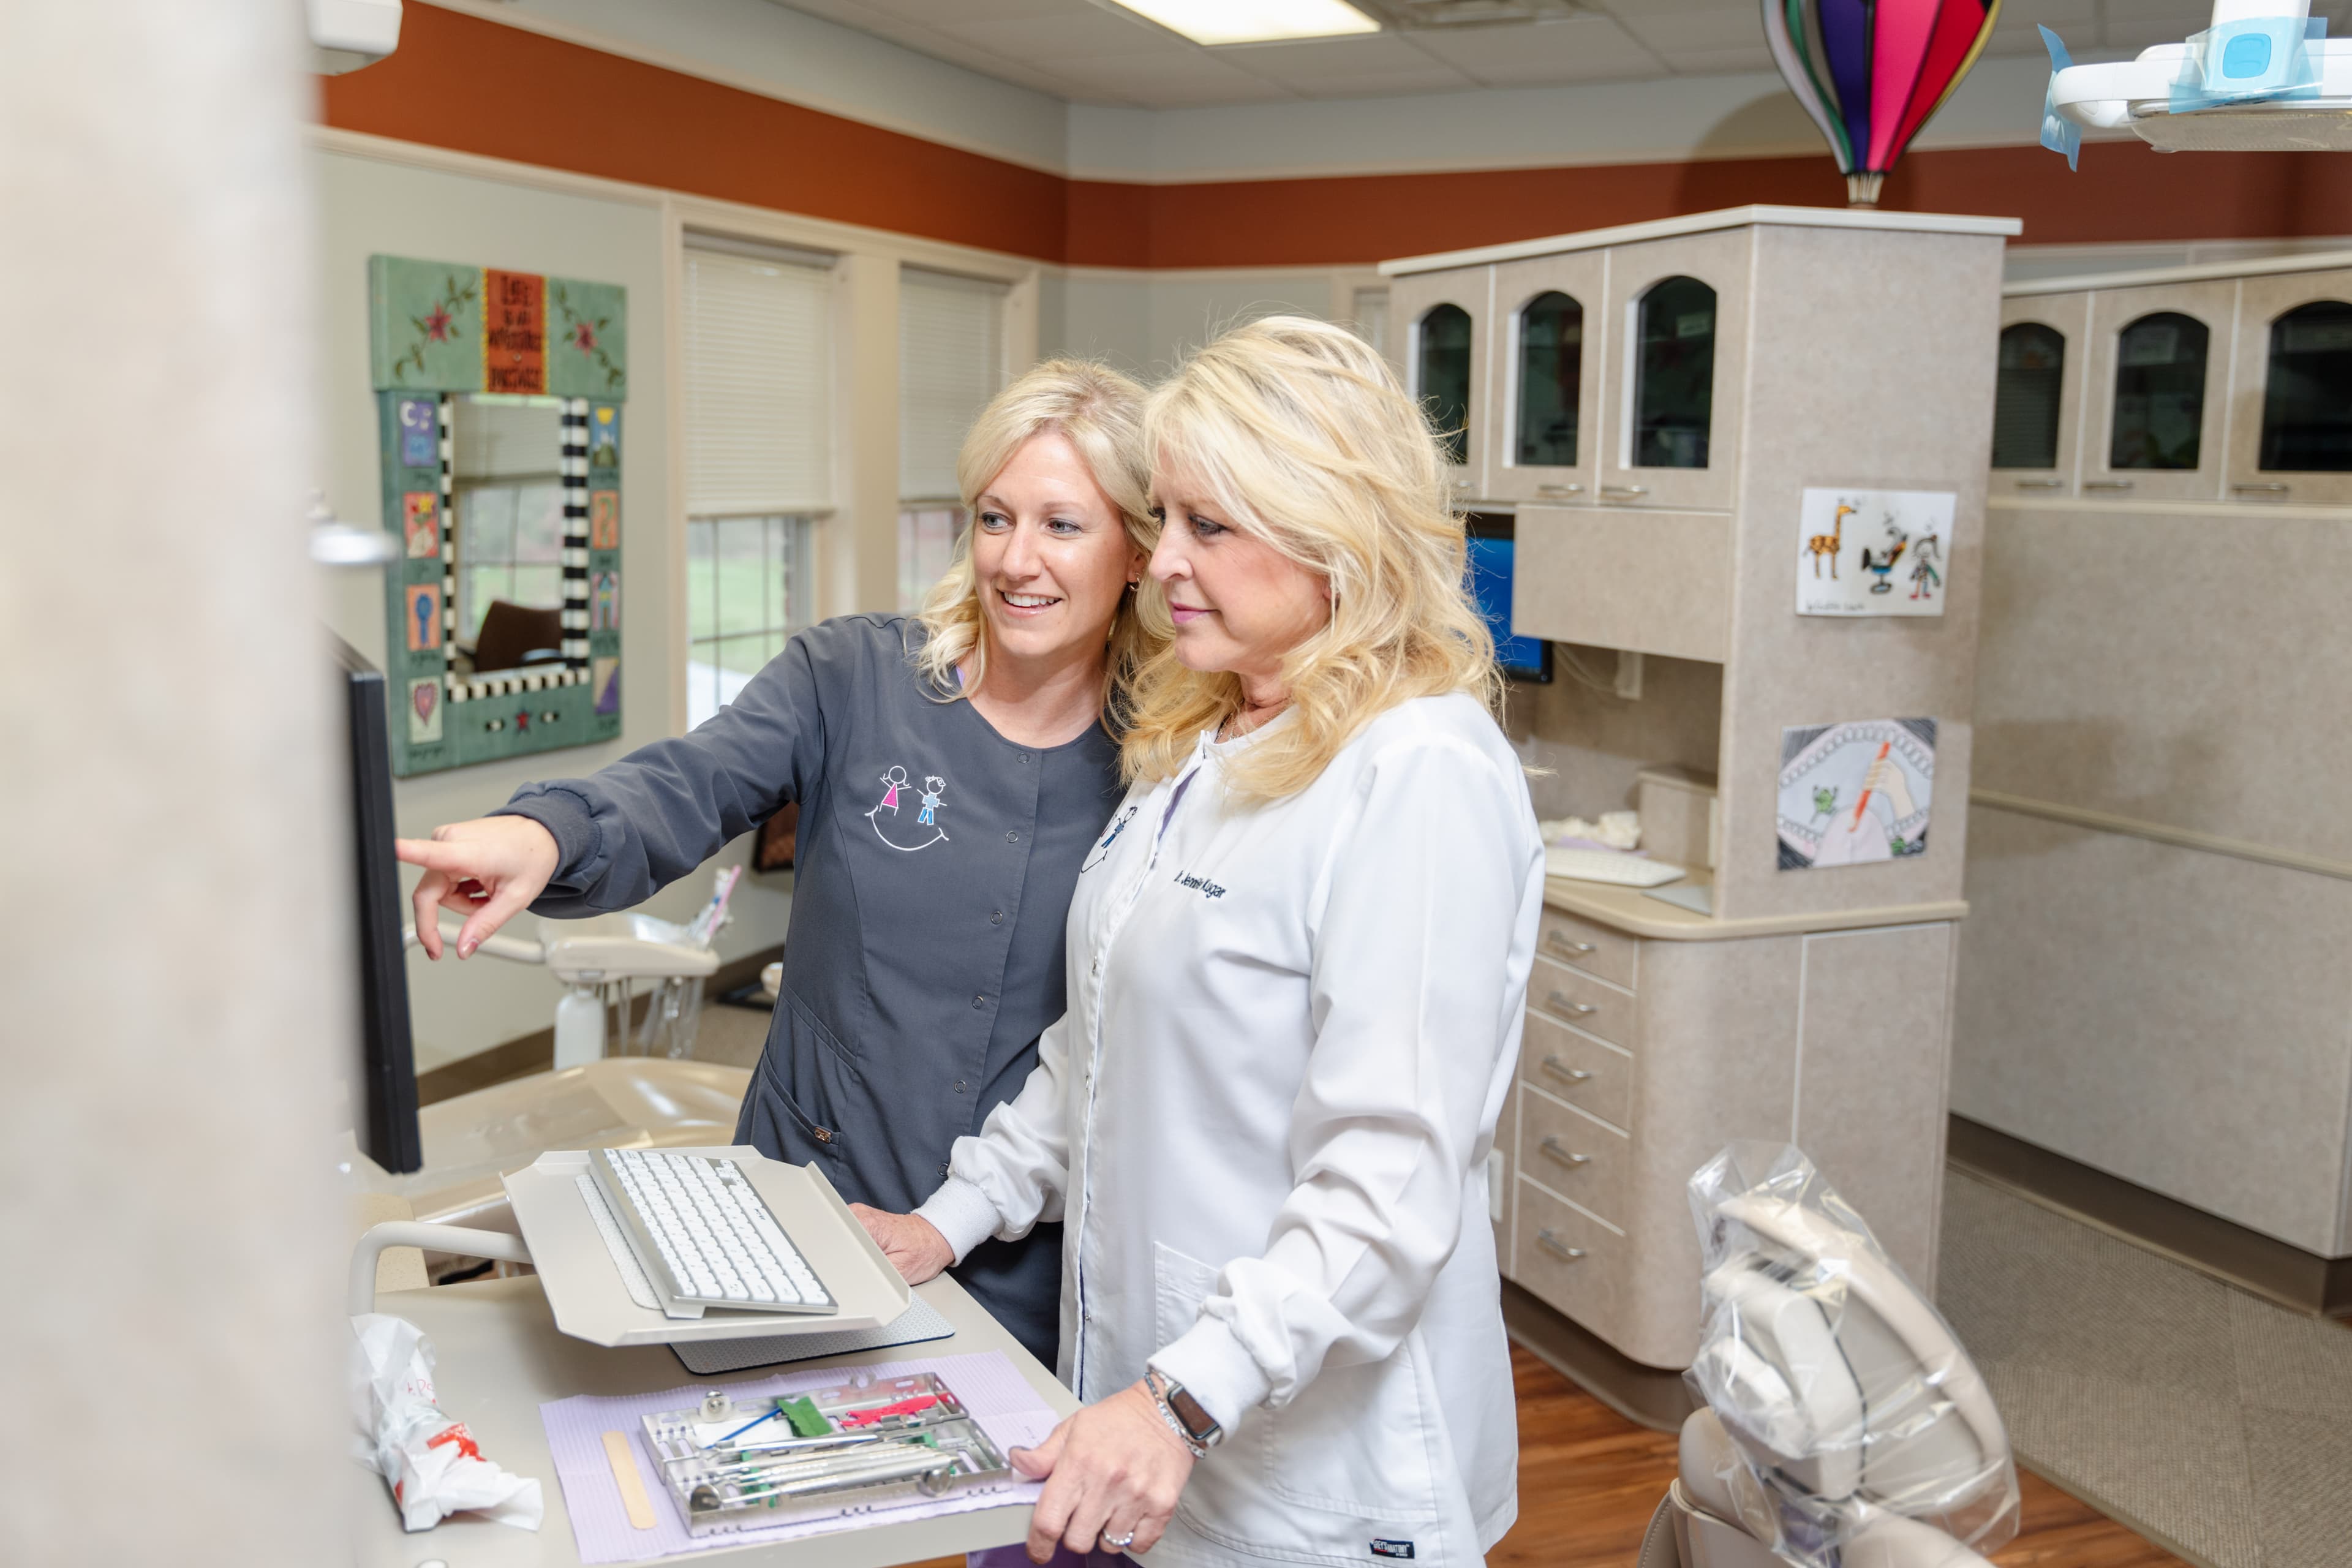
(1854, 1429)
(429, 1461)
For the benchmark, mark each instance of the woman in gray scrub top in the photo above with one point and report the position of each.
(952, 771)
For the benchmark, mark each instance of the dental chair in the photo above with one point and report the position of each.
(1844, 1426)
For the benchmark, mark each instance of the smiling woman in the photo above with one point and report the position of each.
(951, 772)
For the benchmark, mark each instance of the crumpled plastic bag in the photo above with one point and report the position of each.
(431, 1462)
(1856, 1420)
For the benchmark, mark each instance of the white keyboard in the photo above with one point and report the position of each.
(704, 1234)
(1608, 866)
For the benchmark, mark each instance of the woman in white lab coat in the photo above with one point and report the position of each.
(1297, 961)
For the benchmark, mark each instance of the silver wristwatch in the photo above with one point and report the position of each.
(1184, 1416)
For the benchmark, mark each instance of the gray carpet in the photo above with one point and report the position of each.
(2215, 1422)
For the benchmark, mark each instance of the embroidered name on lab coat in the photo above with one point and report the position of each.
(1209, 888)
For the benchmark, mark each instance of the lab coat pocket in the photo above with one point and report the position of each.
(1357, 1441)
(1179, 1284)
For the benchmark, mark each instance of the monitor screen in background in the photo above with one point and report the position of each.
(1491, 547)
(384, 1109)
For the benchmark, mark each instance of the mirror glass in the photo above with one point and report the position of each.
(2307, 396)
(1444, 375)
(1551, 354)
(1673, 375)
(2160, 393)
(2025, 396)
(507, 491)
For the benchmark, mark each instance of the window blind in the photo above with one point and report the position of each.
(951, 362)
(759, 384)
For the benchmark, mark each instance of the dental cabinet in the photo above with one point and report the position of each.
(1652, 404)
(2154, 986)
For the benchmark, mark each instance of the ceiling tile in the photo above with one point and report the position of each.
(1665, 30)
(1581, 49)
(1719, 62)
(1080, 33)
(1435, 76)
(1362, 55)
(1169, 80)
(931, 13)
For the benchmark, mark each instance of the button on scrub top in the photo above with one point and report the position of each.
(935, 861)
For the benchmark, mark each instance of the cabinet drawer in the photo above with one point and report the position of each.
(1585, 1073)
(1573, 1155)
(1569, 1262)
(1577, 998)
(1595, 949)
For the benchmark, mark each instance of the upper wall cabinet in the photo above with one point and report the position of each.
(1544, 378)
(1442, 321)
(2158, 376)
(1674, 369)
(2037, 392)
(2291, 426)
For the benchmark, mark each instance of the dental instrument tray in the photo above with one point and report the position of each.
(829, 1453)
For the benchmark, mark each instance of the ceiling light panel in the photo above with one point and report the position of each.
(1254, 21)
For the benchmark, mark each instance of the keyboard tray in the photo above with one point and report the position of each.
(590, 1301)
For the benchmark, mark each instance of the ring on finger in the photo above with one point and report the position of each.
(1118, 1542)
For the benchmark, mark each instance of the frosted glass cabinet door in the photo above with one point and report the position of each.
(2038, 394)
(1439, 321)
(1543, 377)
(1675, 370)
(2156, 375)
(2291, 419)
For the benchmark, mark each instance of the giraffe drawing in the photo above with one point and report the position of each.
(1829, 543)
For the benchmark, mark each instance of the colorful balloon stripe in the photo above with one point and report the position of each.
(1871, 73)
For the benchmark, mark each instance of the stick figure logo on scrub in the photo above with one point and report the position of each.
(894, 780)
(933, 785)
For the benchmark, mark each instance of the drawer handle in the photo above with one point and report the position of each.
(1559, 1003)
(1573, 1075)
(1560, 490)
(1462, 484)
(2042, 484)
(1551, 1243)
(1559, 1151)
(1624, 489)
(1578, 948)
(2268, 490)
(2106, 484)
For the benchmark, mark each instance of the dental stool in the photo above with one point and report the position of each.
(1844, 1427)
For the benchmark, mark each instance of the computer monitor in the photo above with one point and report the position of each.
(385, 1106)
(1493, 540)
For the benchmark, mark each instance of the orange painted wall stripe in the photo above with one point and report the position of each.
(474, 85)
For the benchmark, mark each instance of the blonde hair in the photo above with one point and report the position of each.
(1300, 432)
(1100, 413)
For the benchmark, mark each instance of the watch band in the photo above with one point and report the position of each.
(1184, 1414)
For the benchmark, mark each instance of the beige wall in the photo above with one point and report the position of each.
(367, 205)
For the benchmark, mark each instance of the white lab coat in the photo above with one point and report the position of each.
(1264, 1120)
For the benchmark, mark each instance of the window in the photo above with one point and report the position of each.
(927, 541)
(2307, 397)
(1443, 350)
(747, 591)
(2160, 393)
(951, 362)
(758, 356)
(1673, 375)
(2025, 396)
(1551, 354)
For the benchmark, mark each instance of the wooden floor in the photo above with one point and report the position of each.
(1589, 1480)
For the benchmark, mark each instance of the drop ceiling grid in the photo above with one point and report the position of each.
(1094, 51)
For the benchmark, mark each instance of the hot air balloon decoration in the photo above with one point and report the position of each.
(1871, 72)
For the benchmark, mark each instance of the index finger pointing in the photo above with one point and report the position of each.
(431, 854)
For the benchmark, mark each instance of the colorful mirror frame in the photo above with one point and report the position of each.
(437, 332)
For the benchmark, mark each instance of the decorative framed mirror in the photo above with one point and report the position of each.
(498, 401)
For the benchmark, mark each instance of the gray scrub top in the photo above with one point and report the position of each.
(924, 958)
